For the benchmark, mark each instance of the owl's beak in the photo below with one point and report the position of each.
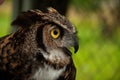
(76, 45)
(71, 45)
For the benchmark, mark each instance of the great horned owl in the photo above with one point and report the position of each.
(39, 49)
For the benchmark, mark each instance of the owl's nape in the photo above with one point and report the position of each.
(39, 49)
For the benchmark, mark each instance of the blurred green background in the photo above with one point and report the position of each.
(98, 26)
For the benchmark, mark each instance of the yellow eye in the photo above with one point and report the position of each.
(55, 33)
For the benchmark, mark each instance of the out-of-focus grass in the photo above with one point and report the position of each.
(5, 18)
(4, 24)
(97, 58)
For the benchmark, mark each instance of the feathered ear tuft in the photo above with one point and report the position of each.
(51, 10)
(26, 19)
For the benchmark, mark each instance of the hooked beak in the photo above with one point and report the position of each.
(75, 45)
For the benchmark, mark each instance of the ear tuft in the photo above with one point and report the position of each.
(51, 10)
(25, 19)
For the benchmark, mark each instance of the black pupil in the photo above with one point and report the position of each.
(55, 32)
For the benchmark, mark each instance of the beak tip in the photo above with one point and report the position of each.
(76, 48)
(75, 51)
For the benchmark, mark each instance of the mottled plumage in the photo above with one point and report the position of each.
(39, 49)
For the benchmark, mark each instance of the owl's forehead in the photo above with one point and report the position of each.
(61, 21)
(53, 16)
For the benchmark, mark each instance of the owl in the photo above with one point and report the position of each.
(40, 48)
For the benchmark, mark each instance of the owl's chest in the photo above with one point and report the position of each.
(47, 73)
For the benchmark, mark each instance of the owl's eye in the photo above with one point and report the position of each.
(55, 33)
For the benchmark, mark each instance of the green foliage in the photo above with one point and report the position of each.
(97, 58)
(4, 24)
(89, 5)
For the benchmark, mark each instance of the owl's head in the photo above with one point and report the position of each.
(53, 33)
